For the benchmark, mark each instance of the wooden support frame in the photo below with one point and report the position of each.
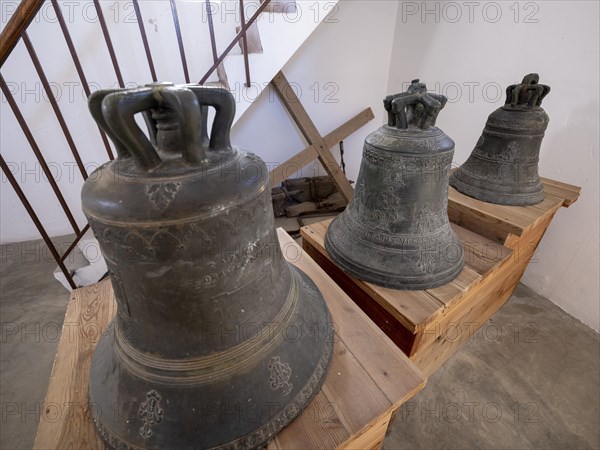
(319, 146)
(431, 325)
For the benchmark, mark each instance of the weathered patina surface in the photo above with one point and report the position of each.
(395, 232)
(503, 167)
(218, 341)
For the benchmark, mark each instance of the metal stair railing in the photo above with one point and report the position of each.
(16, 29)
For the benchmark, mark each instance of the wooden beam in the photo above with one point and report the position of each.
(345, 130)
(18, 23)
(293, 165)
(303, 158)
(311, 134)
(567, 192)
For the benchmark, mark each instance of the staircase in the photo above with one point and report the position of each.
(123, 44)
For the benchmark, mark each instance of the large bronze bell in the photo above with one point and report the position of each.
(395, 232)
(503, 167)
(217, 342)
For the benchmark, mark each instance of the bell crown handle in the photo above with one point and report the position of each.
(416, 107)
(224, 103)
(114, 111)
(526, 94)
(95, 107)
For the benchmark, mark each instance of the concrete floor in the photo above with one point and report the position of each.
(528, 379)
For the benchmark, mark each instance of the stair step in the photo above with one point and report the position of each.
(85, 263)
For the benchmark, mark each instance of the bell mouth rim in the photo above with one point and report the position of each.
(531, 198)
(389, 280)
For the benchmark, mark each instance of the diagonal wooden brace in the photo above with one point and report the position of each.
(319, 147)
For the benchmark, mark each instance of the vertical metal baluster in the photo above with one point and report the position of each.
(211, 28)
(140, 22)
(180, 41)
(245, 43)
(235, 40)
(53, 103)
(67, 35)
(38, 153)
(74, 243)
(109, 44)
(36, 221)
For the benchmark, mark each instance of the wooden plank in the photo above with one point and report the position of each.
(345, 130)
(481, 254)
(311, 134)
(293, 165)
(451, 292)
(496, 221)
(66, 421)
(294, 107)
(371, 437)
(524, 246)
(568, 192)
(399, 333)
(321, 412)
(370, 346)
(348, 375)
(337, 410)
(494, 218)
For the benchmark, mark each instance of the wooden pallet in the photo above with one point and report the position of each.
(431, 325)
(368, 380)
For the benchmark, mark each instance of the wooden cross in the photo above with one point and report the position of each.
(318, 146)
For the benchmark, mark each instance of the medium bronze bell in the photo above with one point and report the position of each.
(395, 231)
(503, 167)
(217, 342)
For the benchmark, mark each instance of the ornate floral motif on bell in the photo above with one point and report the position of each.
(395, 231)
(217, 342)
(503, 167)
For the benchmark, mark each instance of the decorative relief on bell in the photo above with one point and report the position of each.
(280, 375)
(150, 412)
(162, 194)
(395, 231)
(503, 167)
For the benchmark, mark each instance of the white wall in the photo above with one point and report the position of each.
(469, 57)
(341, 69)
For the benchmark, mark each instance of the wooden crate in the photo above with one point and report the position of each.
(368, 380)
(431, 325)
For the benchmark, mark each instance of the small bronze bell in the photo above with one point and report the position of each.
(395, 231)
(503, 167)
(217, 342)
